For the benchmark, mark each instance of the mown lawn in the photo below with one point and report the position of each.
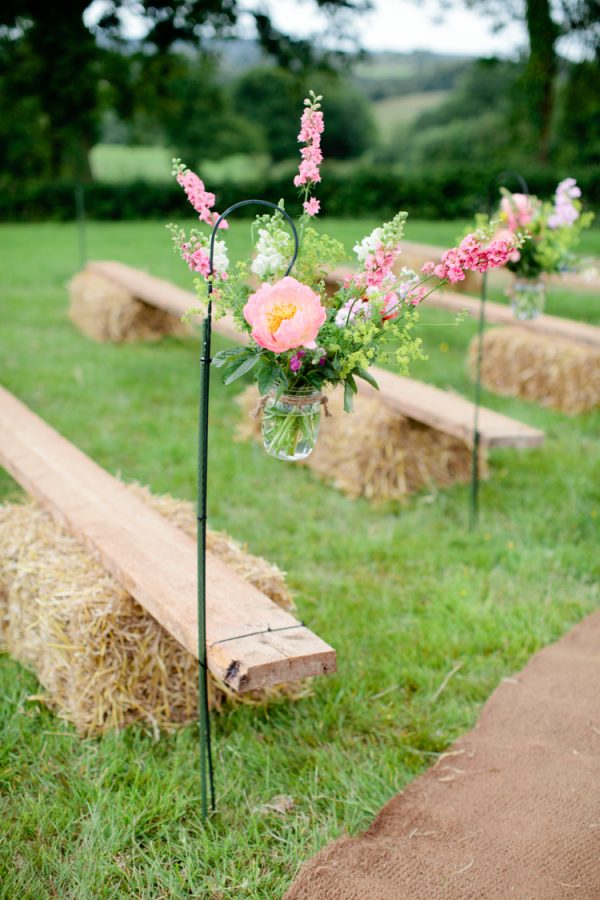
(404, 592)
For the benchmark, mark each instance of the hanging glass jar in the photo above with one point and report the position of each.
(527, 297)
(290, 423)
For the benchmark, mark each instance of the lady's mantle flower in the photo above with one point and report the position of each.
(285, 315)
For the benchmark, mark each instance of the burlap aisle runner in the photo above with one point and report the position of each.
(513, 811)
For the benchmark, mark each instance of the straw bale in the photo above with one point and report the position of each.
(375, 452)
(552, 371)
(102, 660)
(105, 312)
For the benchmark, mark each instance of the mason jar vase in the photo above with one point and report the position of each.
(527, 297)
(290, 424)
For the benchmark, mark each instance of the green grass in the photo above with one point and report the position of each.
(118, 163)
(404, 593)
(402, 110)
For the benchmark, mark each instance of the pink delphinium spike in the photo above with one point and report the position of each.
(312, 126)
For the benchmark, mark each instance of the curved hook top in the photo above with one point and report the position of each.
(239, 204)
(496, 183)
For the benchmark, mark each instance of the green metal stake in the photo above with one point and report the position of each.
(474, 493)
(80, 213)
(206, 762)
(474, 504)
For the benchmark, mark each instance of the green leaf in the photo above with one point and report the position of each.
(266, 377)
(348, 397)
(350, 381)
(366, 376)
(245, 366)
(224, 356)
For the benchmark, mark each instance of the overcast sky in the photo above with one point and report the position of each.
(405, 25)
(392, 25)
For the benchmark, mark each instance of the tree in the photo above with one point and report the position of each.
(546, 22)
(50, 66)
(63, 58)
(273, 96)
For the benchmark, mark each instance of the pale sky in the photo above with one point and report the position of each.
(399, 25)
(404, 25)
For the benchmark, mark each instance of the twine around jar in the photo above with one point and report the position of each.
(292, 401)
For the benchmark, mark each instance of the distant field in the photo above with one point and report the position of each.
(403, 110)
(117, 163)
(396, 68)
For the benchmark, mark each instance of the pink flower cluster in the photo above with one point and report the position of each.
(201, 199)
(311, 129)
(565, 212)
(470, 256)
(378, 265)
(197, 258)
(312, 206)
(518, 210)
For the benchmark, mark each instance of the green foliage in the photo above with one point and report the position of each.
(272, 97)
(449, 191)
(396, 76)
(471, 123)
(577, 138)
(320, 255)
(48, 95)
(197, 117)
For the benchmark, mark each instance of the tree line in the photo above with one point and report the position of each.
(65, 84)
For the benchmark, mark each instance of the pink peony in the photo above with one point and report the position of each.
(518, 210)
(285, 315)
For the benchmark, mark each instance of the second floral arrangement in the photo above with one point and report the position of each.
(302, 339)
(553, 228)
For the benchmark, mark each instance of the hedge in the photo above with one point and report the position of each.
(439, 193)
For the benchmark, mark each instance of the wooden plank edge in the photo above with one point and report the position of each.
(318, 659)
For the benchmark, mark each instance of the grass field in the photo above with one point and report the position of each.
(404, 593)
(394, 112)
(117, 163)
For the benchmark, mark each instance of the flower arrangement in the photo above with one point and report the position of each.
(303, 340)
(554, 229)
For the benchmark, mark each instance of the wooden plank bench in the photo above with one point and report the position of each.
(156, 562)
(500, 314)
(444, 411)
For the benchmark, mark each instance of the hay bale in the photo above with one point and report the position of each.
(374, 452)
(551, 371)
(105, 312)
(102, 659)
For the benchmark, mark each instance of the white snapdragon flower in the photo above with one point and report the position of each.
(368, 245)
(272, 253)
(408, 280)
(220, 258)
